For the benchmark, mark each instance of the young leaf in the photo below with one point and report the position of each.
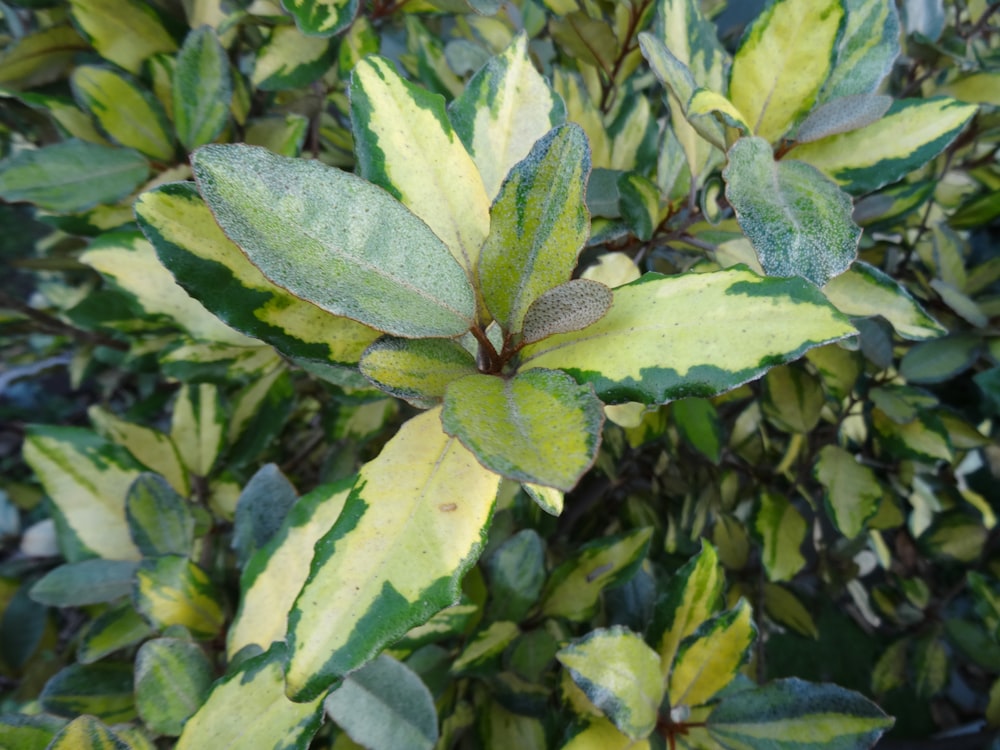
(706, 109)
(620, 675)
(202, 90)
(72, 175)
(159, 520)
(250, 702)
(190, 243)
(793, 713)
(842, 115)
(781, 530)
(912, 133)
(852, 491)
(334, 240)
(172, 590)
(539, 426)
(416, 370)
(568, 307)
(85, 582)
(129, 114)
(798, 221)
(784, 59)
(322, 17)
(425, 497)
(692, 596)
(384, 706)
(85, 733)
(503, 109)
(709, 658)
(718, 330)
(87, 479)
(126, 32)
(172, 680)
(538, 225)
(405, 144)
(866, 51)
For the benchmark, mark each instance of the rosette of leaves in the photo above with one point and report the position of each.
(482, 322)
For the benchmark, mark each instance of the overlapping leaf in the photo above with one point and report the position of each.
(202, 89)
(417, 370)
(322, 17)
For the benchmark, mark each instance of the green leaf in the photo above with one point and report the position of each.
(85, 733)
(333, 239)
(125, 32)
(384, 706)
(190, 243)
(941, 359)
(87, 479)
(405, 144)
(416, 370)
(274, 575)
(503, 110)
(784, 607)
(620, 675)
(203, 89)
(30, 732)
(852, 491)
(574, 588)
(85, 582)
(791, 713)
(842, 115)
(282, 134)
(716, 331)
(290, 60)
(103, 690)
(864, 290)
(539, 426)
(798, 221)
(783, 60)
(197, 427)
(781, 530)
(709, 659)
(160, 521)
(250, 702)
(516, 573)
(346, 613)
(261, 511)
(481, 653)
(693, 594)
(866, 51)
(172, 590)
(39, 57)
(129, 114)
(698, 423)
(538, 225)
(113, 629)
(72, 175)
(912, 133)
(793, 399)
(322, 17)
(172, 680)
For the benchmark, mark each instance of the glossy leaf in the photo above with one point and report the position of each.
(322, 17)
(87, 479)
(867, 49)
(416, 370)
(274, 575)
(405, 144)
(574, 588)
(538, 225)
(172, 680)
(852, 491)
(160, 521)
(774, 83)
(103, 690)
(709, 658)
(539, 426)
(864, 290)
(912, 133)
(72, 175)
(290, 60)
(425, 497)
(798, 221)
(502, 111)
(126, 32)
(782, 530)
(620, 675)
(129, 114)
(85, 733)
(332, 239)
(172, 590)
(792, 713)
(85, 582)
(716, 330)
(692, 595)
(190, 243)
(383, 706)
(250, 702)
(202, 89)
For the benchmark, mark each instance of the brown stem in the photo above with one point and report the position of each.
(54, 325)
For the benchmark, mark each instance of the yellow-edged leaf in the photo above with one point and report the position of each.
(782, 530)
(172, 590)
(39, 57)
(322, 17)
(416, 370)
(148, 445)
(125, 32)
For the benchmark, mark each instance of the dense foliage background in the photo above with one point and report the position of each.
(833, 520)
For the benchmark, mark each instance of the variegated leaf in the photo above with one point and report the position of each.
(867, 49)
(503, 109)
(126, 32)
(322, 17)
(172, 680)
(172, 590)
(202, 89)
(39, 57)
(149, 446)
(842, 115)
(781, 530)
(85, 733)
(852, 490)
(716, 331)
(204, 260)
(417, 370)
(425, 497)
(291, 60)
